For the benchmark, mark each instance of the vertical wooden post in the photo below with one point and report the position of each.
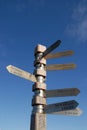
(38, 117)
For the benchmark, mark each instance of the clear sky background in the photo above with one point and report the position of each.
(24, 24)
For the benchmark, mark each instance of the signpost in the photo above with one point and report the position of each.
(40, 107)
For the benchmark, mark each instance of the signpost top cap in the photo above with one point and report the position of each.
(39, 48)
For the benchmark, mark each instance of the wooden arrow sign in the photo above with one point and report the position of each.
(62, 92)
(61, 66)
(69, 105)
(21, 73)
(50, 49)
(73, 112)
(59, 54)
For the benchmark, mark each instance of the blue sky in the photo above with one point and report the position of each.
(24, 24)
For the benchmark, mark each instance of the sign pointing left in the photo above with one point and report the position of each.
(21, 73)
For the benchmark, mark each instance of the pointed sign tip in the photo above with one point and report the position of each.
(8, 67)
(80, 111)
(76, 91)
(59, 41)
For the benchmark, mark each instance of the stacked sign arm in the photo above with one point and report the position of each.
(74, 112)
(62, 92)
(50, 49)
(68, 105)
(21, 73)
(61, 66)
(59, 54)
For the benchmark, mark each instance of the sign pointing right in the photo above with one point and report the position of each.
(59, 54)
(69, 105)
(62, 92)
(50, 49)
(61, 66)
(73, 112)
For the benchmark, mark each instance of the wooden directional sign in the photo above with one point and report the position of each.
(73, 112)
(62, 92)
(61, 66)
(21, 73)
(69, 105)
(50, 49)
(59, 54)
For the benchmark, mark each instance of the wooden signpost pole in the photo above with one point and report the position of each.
(38, 118)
